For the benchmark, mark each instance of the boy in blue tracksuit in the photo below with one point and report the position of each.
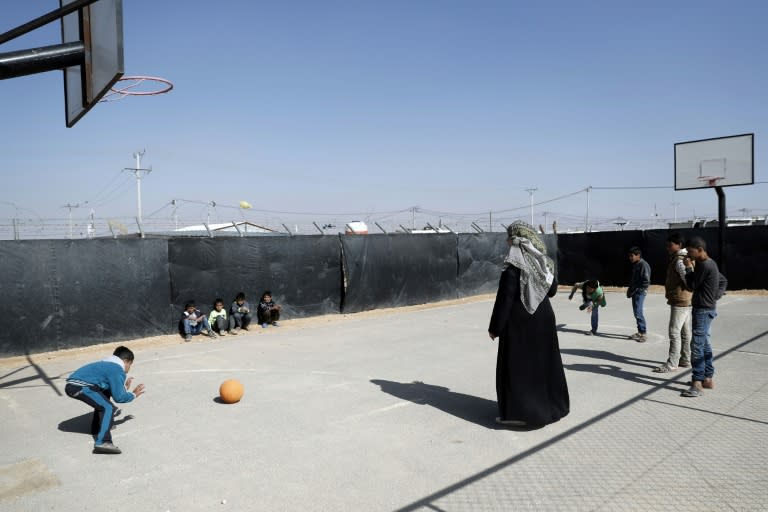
(94, 384)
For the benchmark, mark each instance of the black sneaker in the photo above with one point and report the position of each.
(188, 338)
(106, 448)
(584, 306)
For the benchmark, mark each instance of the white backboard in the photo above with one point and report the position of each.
(729, 158)
(99, 26)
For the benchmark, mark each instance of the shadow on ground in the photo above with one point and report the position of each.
(82, 424)
(564, 328)
(617, 370)
(473, 409)
(40, 375)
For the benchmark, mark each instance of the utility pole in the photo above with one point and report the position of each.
(675, 205)
(137, 171)
(530, 200)
(175, 214)
(70, 206)
(92, 224)
(586, 220)
(210, 205)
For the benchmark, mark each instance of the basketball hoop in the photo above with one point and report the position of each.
(711, 181)
(132, 86)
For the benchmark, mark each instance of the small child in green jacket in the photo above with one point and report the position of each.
(593, 298)
(217, 318)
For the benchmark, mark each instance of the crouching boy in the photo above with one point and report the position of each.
(94, 384)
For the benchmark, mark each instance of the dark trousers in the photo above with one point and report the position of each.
(103, 410)
(269, 316)
(241, 320)
(220, 324)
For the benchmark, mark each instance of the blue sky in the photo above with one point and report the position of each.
(359, 109)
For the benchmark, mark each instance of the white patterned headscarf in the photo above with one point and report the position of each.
(528, 253)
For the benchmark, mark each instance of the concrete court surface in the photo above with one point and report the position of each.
(394, 410)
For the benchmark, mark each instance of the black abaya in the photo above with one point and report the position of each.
(530, 381)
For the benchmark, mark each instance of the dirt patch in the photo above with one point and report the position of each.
(25, 477)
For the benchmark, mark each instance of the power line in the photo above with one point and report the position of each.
(630, 188)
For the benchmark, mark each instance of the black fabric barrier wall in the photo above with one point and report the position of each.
(398, 270)
(57, 294)
(302, 272)
(481, 258)
(603, 255)
(747, 257)
(746, 249)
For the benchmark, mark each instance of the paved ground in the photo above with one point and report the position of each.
(393, 410)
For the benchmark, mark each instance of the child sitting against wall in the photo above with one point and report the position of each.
(592, 299)
(269, 312)
(217, 318)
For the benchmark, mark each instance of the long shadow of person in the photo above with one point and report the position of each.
(563, 328)
(617, 370)
(473, 409)
(610, 356)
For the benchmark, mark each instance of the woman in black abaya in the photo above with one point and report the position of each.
(530, 381)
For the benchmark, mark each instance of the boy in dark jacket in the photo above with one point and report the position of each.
(269, 312)
(638, 288)
(708, 285)
(239, 314)
(94, 384)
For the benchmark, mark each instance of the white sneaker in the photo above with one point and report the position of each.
(106, 448)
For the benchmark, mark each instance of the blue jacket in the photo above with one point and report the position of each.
(107, 375)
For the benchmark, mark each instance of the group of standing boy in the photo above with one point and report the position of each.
(693, 284)
(220, 321)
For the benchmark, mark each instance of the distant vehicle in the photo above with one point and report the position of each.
(356, 227)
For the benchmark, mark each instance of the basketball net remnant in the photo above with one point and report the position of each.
(711, 181)
(131, 86)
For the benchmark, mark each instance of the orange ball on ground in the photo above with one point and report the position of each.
(231, 391)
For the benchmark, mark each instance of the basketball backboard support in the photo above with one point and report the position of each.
(717, 162)
(99, 26)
